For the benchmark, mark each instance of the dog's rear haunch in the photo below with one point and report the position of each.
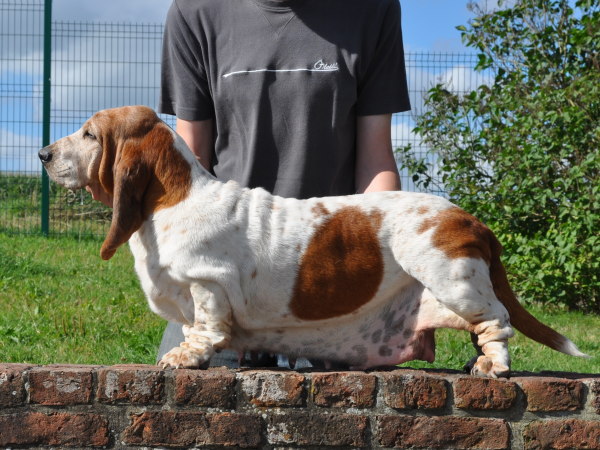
(361, 279)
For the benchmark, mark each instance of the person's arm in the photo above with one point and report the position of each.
(376, 168)
(199, 136)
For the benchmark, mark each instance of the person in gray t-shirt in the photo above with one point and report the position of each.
(294, 96)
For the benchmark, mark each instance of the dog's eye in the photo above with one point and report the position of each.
(89, 135)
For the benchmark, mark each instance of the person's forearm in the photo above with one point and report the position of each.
(376, 168)
(199, 137)
(385, 180)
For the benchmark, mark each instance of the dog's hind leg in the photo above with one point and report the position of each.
(489, 330)
(467, 300)
(210, 331)
(451, 254)
(468, 367)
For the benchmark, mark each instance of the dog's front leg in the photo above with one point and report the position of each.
(211, 330)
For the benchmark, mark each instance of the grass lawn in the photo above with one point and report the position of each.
(60, 303)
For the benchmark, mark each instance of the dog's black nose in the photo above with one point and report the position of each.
(45, 155)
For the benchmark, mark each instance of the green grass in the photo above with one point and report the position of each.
(60, 303)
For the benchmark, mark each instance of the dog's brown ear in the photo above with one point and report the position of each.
(140, 168)
(107, 163)
(128, 176)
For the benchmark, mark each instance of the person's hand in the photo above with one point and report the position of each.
(100, 194)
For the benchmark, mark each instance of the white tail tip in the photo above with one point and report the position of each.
(570, 348)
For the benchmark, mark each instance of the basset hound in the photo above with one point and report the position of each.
(360, 279)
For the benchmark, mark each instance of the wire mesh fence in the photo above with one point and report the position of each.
(102, 65)
(21, 34)
(97, 66)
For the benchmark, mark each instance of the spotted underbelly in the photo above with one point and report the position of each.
(385, 336)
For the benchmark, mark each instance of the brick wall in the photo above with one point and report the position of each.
(143, 406)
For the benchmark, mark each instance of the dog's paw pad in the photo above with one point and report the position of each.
(183, 358)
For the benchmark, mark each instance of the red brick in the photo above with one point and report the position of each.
(270, 388)
(562, 434)
(552, 394)
(61, 385)
(211, 388)
(12, 384)
(442, 432)
(229, 429)
(408, 391)
(184, 429)
(131, 384)
(484, 393)
(70, 430)
(596, 391)
(344, 389)
(307, 429)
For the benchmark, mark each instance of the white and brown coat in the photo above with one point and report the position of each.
(362, 279)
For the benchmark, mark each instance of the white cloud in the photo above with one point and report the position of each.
(110, 72)
(22, 43)
(403, 134)
(463, 79)
(402, 130)
(458, 79)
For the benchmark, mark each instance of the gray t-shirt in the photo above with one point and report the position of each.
(284, 81)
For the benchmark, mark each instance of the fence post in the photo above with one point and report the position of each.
(45, 219)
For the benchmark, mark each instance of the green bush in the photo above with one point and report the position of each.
(522, 153)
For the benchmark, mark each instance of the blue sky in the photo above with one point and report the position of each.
(430, 25)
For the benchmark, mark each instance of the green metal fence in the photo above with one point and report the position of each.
(94, 66)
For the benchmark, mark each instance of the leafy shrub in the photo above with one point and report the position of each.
(522, 153)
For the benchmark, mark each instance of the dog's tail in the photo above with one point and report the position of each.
(520, 318)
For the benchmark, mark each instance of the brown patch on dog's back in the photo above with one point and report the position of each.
(459, 235)
(341, 268)
(426, 225)
(319, 210)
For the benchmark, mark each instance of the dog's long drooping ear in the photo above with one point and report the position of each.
(130, 180)
(140, 168)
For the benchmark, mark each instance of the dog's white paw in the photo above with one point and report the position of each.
(485, 367)
(184, 358)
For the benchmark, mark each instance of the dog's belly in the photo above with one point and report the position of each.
(389, 334)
